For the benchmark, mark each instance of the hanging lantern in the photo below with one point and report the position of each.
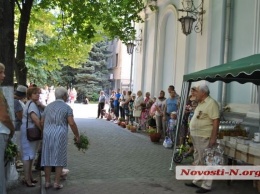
(186, 24)
(130, 47)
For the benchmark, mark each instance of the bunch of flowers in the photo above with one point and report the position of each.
(83, 143)
(11, 151)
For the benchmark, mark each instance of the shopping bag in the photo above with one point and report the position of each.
(34, 134)
(137, 113)
(214, 156)
(167, 143)
(11, 172)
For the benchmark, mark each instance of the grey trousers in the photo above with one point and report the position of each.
(3, 142)
(200, 144)
(160, 124)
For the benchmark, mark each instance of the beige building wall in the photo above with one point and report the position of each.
(119, 65)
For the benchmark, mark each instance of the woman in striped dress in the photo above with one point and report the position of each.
(55, 120)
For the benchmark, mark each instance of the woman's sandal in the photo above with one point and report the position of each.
(47, 185)
(27, 184)
(34, 181)
(57, 186)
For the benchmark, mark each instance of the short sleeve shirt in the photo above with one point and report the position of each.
(171, 105)
(160, 104)
(201, 123)
(138, 102)
(29, 108)
(17, 108)
(116, 101)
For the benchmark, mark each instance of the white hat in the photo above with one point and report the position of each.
(21, 91)
(174, 113)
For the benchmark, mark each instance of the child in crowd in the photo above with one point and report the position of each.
(194, 104)
(171, 129)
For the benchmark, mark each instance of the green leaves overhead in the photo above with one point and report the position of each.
(62, 32)
(91, 18)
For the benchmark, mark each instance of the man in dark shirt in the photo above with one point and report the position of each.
(116, 103)
(101, 104)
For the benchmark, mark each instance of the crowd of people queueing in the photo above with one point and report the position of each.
(33, 108)
(144, 111)
(201, 118)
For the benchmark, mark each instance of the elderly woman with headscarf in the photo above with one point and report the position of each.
(55, 120)
(6, 130)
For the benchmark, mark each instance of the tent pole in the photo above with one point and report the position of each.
(258, 96)
(184, 95)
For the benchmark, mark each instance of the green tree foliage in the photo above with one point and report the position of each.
(48, 51)
(93, 76)
(73, 23)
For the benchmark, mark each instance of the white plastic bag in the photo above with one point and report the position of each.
(167, 143)
(11, 172)
(214, 156)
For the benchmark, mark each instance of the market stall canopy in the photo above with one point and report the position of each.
(243, 70)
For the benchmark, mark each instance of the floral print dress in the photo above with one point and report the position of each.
(145, 113)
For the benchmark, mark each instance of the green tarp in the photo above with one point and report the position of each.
(243, 70)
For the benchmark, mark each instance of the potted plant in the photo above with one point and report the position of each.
(123, 124)
(133, 128)
(121, 119)
(155, 136)
(128, 126)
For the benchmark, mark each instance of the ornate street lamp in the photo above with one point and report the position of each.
(130, 50)
(193, 14)
(186, 24)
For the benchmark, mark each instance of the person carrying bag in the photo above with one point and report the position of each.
(33, 133)
(29, 142)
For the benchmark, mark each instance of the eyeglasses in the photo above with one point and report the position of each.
(200, 113)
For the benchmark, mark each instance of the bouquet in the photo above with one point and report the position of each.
(11, 151)
(83, 143)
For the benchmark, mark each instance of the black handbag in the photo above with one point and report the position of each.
(33, 133)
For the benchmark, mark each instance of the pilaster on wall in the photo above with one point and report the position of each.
(181, 54)
(169, 13)
(202, 45)
(138, 67)
(256, 47)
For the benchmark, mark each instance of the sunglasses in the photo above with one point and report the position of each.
(200, 113)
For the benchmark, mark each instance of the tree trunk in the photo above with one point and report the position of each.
(20, 67)
(7, 39)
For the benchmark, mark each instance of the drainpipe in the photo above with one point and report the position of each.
(226, 50)
(143, 49)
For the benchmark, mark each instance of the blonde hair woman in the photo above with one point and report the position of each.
(6, 130)
(137, 106)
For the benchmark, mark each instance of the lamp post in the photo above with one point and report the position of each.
(130, 49)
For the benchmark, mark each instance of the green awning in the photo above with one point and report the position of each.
(243, 70)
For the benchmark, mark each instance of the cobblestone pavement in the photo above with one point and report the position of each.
(121, 162)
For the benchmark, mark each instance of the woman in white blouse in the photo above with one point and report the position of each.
(160, 107)
(137, 106)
